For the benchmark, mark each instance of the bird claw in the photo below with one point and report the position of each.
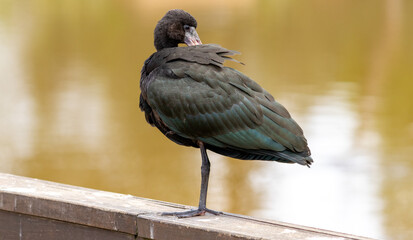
(191, 213)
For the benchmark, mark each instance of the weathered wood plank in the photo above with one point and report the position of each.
(30, 206)
(26, 227)
(74, 204)
(229, 226)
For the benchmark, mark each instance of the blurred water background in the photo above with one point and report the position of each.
(69, 87)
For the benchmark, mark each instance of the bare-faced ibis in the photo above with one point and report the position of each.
(188, 94)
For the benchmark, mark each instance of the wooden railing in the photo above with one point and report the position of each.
(35, 209)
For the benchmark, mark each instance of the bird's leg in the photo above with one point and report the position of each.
(204, 189)
(205, 168)
(204, 182)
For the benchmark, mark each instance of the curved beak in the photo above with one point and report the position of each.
(191, 37)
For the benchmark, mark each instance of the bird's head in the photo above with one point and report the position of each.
(177, 26)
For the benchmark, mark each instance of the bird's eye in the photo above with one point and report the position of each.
(186, 27)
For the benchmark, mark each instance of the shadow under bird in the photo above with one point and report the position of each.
(194, 100)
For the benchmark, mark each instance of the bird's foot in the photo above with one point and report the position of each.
(191, 213)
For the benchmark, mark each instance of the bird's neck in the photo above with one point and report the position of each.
(165, 43)
(161, 38)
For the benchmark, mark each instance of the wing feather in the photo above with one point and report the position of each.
(223, 108)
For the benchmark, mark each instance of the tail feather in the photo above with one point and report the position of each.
(285, 156)
(297, 158)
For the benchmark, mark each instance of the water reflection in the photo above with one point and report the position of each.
(345, 180)
(69, 105)
(17, 119)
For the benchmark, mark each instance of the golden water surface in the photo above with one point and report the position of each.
(69, 87)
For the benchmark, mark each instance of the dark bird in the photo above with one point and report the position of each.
(194, 100)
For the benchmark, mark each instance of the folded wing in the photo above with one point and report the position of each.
(225, 109)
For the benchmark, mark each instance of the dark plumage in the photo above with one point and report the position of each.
(170, 30)
(194, 100)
